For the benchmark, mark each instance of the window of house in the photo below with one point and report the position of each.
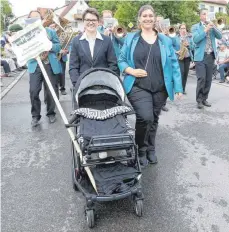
(211, 9)
(202, 6)
(221, 9)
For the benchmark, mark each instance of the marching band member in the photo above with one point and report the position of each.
(204, 36)
(152, 74)
(92, 49)
(183, 45)
(52, 67)
(116, 40)
(63, 60)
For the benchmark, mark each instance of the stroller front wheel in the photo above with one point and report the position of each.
(138, 205)
(90, 217)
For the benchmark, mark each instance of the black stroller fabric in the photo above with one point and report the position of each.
(111, 126)
(114, 178)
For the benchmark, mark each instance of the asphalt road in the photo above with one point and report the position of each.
(188, 190)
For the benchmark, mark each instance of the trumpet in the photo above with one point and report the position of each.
(172, 31)
(119, 32)
(218, 24)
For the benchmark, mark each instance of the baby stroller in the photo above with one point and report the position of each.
(108, 168)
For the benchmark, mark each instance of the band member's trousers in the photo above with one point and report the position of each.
(204, 71)
(184, 69)
(35, 84)
(62, 75)
(147, 107)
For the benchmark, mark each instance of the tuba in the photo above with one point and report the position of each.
(64, 30)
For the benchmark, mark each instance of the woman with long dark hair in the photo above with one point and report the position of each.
(152, 73)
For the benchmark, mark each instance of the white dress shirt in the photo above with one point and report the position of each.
(91, 41)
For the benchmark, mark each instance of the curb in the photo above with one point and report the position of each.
(3, 93)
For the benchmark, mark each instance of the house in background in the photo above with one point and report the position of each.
(214, 6)
(72, 11)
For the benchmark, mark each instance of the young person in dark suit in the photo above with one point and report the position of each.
(91, 49)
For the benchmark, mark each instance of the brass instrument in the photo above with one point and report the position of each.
(119, 32)
(183, 49)
(64, 30)
(172, 31)
(219, 24)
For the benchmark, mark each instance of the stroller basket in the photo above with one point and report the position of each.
(101, 143)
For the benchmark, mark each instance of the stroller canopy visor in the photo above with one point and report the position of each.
(104, 79)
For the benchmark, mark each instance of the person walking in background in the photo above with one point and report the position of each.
(183, 45)
(204, 36)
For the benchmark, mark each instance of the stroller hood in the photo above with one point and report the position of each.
(99, 80)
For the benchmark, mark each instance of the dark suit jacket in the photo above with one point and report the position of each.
(81, 60)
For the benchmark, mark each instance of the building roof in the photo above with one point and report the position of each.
(13, 20)
(68, 8)
(219, 2)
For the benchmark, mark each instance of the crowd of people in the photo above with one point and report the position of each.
(154, 66)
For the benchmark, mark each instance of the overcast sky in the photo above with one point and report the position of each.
(22, 7)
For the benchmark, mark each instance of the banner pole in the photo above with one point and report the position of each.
(72, 136)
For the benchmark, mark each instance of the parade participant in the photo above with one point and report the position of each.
(117, 40)
(63, 60)
(92, 49)
(52, 67)
(152, 74)
(183, 45)
(204, 36)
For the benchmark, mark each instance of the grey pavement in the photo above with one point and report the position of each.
(6, 81)
(188, 190)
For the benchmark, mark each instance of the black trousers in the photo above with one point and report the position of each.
(204, 71)
(6, 66)
(147, 107)
(184, 69)
(35, 84)
(62, 75)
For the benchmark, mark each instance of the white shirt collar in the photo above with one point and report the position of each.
(84, 36)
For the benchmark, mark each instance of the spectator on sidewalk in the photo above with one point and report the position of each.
(222, 61)
(6, 68)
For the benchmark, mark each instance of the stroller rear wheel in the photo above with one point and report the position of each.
(90, 217)
(138, 206)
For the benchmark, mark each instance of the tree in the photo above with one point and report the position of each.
(15, 28)
(126, 11)
(6, 14)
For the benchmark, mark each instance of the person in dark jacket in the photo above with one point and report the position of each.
(92, 49)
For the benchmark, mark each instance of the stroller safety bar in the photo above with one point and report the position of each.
(119, 141)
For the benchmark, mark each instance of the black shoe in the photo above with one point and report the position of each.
(221, 81)
(142, 159)
(151, 157)
(63, 92)
(52, 118)
(205, 103)
(184, 93)
(35, 122)
(200, 105)
(164, 108)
